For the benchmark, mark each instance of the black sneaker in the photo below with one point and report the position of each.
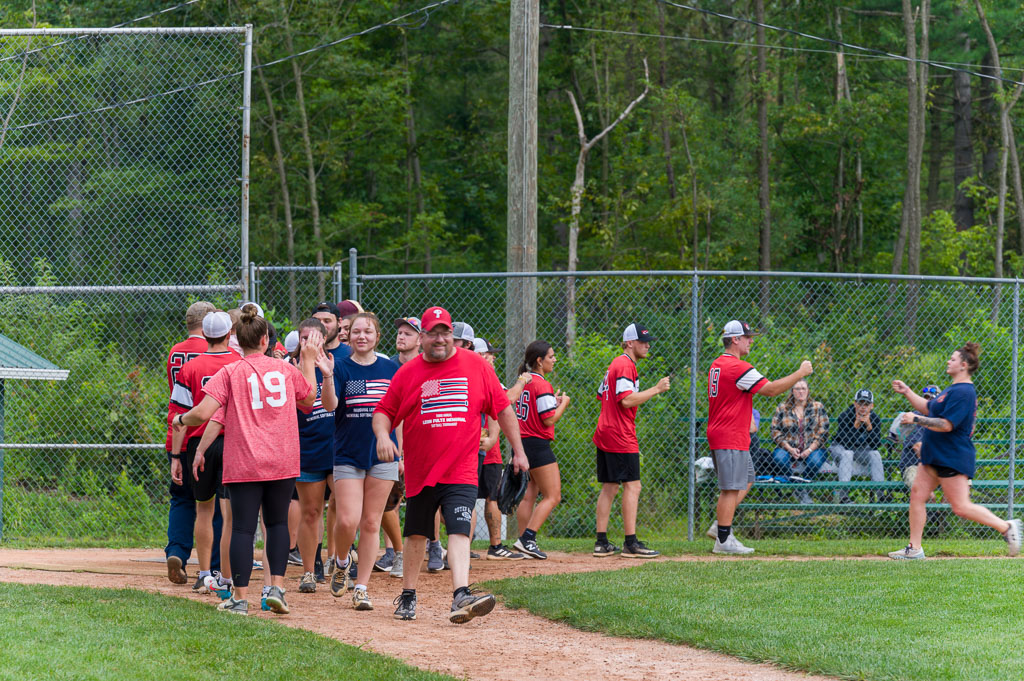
(406, 609)
(502, 552)
(638, 550)
(529, 547)
(294, 558)
(318, 572)
(605, 548)
(353, 572)
(469, 604)
(200, 586)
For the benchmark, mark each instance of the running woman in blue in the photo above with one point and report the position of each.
(947, 453)
(362, 482)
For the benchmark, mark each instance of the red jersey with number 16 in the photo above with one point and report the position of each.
(535, 404)
(616, 425)
(182, 352)
(732, 384)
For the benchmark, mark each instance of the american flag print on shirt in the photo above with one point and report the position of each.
(446, 394)
(365, 393)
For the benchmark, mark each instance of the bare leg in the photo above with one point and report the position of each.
(549, 483)
(204, 532)
(392, 529)
(225, 538)
(630, 503)
(311, 505)
(957, 492)
(924, 484)
(728, 500)
(294, 520)
(349, 508)
(604, 504)
(415, 549)
(458, 559)
(375, 498)
(525, 508)
(332, 550)
(493, 517)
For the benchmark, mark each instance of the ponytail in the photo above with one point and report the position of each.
(536, 350)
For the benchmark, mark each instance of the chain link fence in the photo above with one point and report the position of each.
(120, 204)
(859, 331)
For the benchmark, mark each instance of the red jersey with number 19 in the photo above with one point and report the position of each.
(616, 425)
(180, 353)
(732, 384)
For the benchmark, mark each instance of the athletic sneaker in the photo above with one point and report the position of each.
(502, 552)
(257, 564)
(263, 599)
(731, 545)
(294, 557)
(340, 581)
(308, 584)
(318, 572)
(386, 562)
(360, 600)
(469, 604)
(398, 569)
(638, 550)
(276, 602)
(176, 571)
(406, 609)
(219, 586)
(234, 607)
(605, 548)
(1012, 537)
(200, 586)
(435, 557)
(353, 555)
(529, 547)
(713, 530)
(908, 553)
(331, 567)
(474, 555)
(353, 573)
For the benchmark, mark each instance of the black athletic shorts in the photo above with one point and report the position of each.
(616, 467)
(455, 501)
(209, 482)
(945, 471)
(538, 451)
(489, 480)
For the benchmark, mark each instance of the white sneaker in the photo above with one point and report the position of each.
(713, 530)
(1012, 537)
(907, 553)
(732, 545)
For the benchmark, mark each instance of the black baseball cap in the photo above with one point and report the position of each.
(326, 307)
(637, 332)
(864, 395)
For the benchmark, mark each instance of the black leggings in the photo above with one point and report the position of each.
(246, 499)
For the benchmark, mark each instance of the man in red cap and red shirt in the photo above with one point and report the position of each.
(438, 397)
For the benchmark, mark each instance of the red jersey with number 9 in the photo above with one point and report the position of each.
(732, 384)
(261, 434)
(616, 424)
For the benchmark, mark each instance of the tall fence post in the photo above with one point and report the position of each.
(353, 274)
(338, 282)
(246, 140)
(1013, 397)
(2, 450)
(692, 457)
(250, 290)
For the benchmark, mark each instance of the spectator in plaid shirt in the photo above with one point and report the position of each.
(800, 433)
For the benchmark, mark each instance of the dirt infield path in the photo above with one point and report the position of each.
(505, 645)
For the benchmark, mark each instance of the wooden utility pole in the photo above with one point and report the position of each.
(521, 292)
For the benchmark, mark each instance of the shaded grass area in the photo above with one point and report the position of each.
(49, 632)
(879, 620)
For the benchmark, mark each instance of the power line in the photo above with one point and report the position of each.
(787, 48)
(838, 43)
(20, 55)
(395, 22)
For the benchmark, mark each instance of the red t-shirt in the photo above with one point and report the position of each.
(732, 383)
(180, 354)
(535, 404)
(616, 426)
(188, 386)
(261, 434)
(439, 405)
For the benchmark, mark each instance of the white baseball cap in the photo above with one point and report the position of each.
(291, 341)
(216, 324)
(736, 328)
(259, 310)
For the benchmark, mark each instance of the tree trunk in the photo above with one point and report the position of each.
(764, 193)
(414, 177)
(693, 188)
(666, 138)
(576, 192)
(963, 146)
(307, 148)
(935, 154)
(286, 197)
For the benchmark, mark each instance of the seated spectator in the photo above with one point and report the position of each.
(910, 434)
(857, 439)
(800, 433)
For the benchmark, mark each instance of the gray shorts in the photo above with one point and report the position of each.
(381, 471)
(734, 467)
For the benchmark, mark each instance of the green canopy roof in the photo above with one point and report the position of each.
(17, 361)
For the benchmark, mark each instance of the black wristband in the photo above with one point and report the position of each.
(917, 419)
(172, 455)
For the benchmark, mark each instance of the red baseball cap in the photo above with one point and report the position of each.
(433, 316)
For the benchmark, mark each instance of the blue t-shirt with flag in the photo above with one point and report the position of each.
(359, 388)
(316, 434)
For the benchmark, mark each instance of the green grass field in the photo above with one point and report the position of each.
(917, 621)
(49, 632)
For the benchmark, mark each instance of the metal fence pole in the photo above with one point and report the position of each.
(246, 139)
(1, 460)
(694, 345)
(251, 291)
(353, 275)
(338, 282)
(1013, 397)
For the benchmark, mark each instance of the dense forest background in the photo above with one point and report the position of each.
(797, 156)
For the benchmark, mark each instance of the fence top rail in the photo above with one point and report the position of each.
(77, 290)
(852, 276)
(124, 30)
(297, 268)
